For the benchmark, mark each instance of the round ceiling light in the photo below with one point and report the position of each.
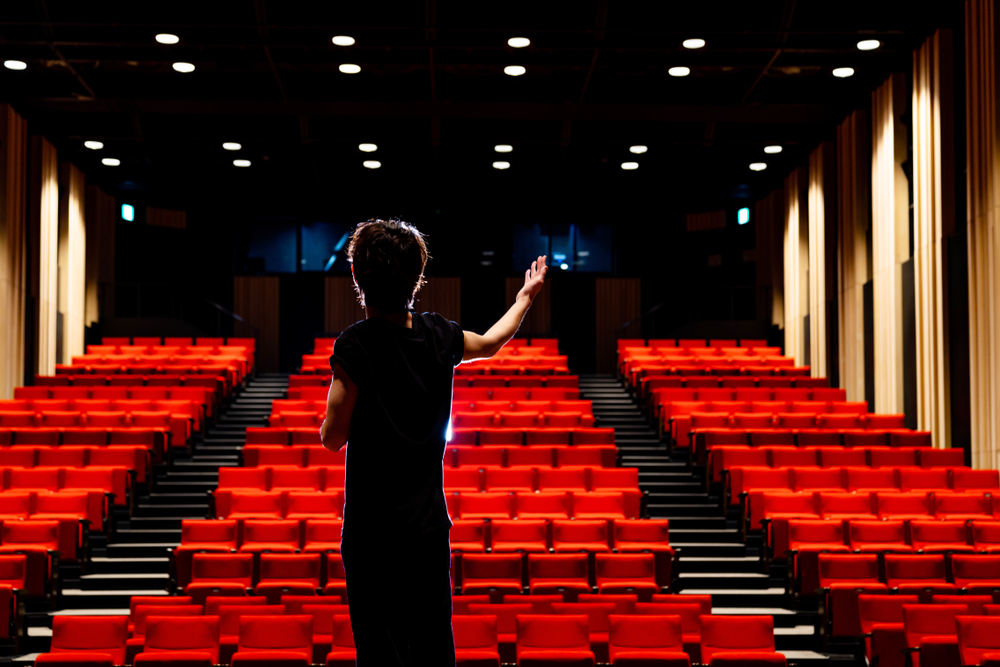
(371, 164)
(241, 163)
(167, 38)
(868, 44)
(771, 150)
(695, 43)
(503, 148)
(843, 72)
(111, 162)
(758, 166)
(183, 68)
(514, 70)
(629, 166)
(679, 71)
(232, 146)
(500, 164)
(343, 40)
(94, 145)
(518, 42)
(638, 150)
(17, 65)
(349, 68)
(367, 148)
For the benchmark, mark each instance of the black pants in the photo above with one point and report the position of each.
(400, 599)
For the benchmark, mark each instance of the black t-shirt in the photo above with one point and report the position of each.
(395, 450)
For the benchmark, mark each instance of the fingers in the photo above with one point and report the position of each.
(527, 275)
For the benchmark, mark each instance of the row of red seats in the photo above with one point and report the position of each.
(193, 411)
(235, 366)
(941, 633)
(300, 436)
(521, 419)
(651, 365)
(656, 396)
(315, 387)
(73, 386)
(179, 424)
(133, 457)
(249, 343)
(623, 343)
(153, 440)
(203, 396)
(700, 381)
(318, 406)
(30, 554)
(112, 480)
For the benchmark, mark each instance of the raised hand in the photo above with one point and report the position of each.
(534, 279)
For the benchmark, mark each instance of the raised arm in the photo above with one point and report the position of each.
(339, 407)
(486, 345)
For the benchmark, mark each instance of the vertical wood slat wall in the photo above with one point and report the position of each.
(983, 200)
(72, 261)
(45, 192)
(538, 321)
(341, 304)
(617, 301)
(890, 239)
(769, 217)
(442, 296)
(822, 205)
(853, 219)
(13, 247)
(257, 299)
(933, 206)
(796, 262)
(101, 216)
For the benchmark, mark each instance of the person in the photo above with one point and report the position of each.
(390, 402)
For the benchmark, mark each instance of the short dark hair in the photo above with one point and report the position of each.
(389, 257)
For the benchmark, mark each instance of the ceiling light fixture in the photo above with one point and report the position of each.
(343, 40)
(367, 148)
(843, 72)
(868, 44)
(241, 163)
(167, 38)
(758, 166)
(503, 148)
(629, 166)
(500, 164)
(232, 146)
(695, 43)
(94, 145)
(16, 65)
(371, 164)
(679, 71)
(518, 42)
(514, 70)
(771, 150)
(111, 162)
(183, 68)
(349, 68)
(638, 150)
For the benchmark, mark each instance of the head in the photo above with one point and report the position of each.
(388, 259)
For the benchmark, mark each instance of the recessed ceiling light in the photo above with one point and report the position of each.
(343, 40)
(183, 68)
(758, 166)
(372, 164)
(232, 146)
(629, 166)
(500, 164)
(869, 44)
(367, 148)
(111, 162)
(167, 38)
(695, 43)
(638, 150)
(503, 148)
(771, 150)
(241, 163)
(94, 145)
(514, 70)
(348, 68)
(843, 72)
(518, 42)
(679, 71)
(15, 64)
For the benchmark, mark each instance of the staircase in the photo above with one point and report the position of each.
(713, 558)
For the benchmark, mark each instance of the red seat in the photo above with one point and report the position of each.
(932, 629)
(877, 536)
(283, 574)
(842, 578)
(476, 642)
(525, 535)
(901, 506)
(597, 622)
(270, 535)
(807, 539)
(342, 649)
(840, 457)
(977, 636)
(215, 574)
(599, 505)
(882, 456)
(963, 479)
(870, 479)
(143, 611)
(979, 574)
(564, 574)
(958, 506)
(248, 504)
(324, 613)
(81, 636)
(336, 576)
(690, 613)
(928, 457)
(544, 639)
(493, 574)
(199, 535)
(322, 535)
(282, 641)
(881, 617)
(468, 535)
(918, 479)
(496, 505)
(986, 536)
(732, 634)
(544, 505)
(932, 537)
(296, 604)
(624, 603)
(580, 535)
(314, 505)
(626, 573)
(924, 575)
(540, 604)
(977, 604)
(836, 506)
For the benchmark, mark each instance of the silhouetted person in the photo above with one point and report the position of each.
(390, 399)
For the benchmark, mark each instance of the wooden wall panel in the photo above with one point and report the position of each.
(538, 321)
(101, 217)
(796, 264)
(13, 248)
(442, 296)
(617, 301)
(342, 308)
(72, 261)
(769, 221)
(257, 300)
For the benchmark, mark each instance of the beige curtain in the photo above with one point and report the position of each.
(853, 219)
(13, 248)
(890, 239)
(769, 222)
(933, 204)
(45, 192)
(821, 196)
(72, 262)
(101, 216)
(983, 196)
(796, 260)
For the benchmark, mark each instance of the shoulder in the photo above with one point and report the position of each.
(437, 322)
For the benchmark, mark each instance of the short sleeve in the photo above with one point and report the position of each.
(451, 339)
(349, 354)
